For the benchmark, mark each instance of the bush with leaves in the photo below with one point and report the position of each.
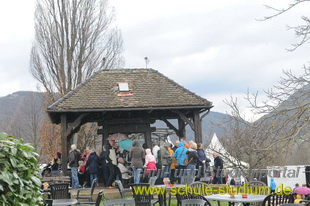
(19, 173)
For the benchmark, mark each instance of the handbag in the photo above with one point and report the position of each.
(169, 160)
(186, 162)
(175, 162)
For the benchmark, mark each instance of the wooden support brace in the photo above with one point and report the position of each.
(76, 124)
(177, 131)
(184, 118)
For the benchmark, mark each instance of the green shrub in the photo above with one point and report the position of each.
(19, 173)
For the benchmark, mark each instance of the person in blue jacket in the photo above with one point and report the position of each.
(272, 185)
(93, 165)
(180, 155)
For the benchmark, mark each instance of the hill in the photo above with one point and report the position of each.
(18, 103)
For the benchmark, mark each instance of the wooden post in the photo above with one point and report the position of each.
(148, 139)
(105, 136)
(197, 126)
(181, 126)
(64, 144)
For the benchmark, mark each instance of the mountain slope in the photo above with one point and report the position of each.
(13, 103)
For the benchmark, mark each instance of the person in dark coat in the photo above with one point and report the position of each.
(55, 165)
(111, 160)
(73, 161)
(232, 181)
(218, 167)
(137, 155)
(203, 161)
(93, 165)
(165, 154)
(192, 158)
(105, 170)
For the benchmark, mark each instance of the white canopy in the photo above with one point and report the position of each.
(229, 161)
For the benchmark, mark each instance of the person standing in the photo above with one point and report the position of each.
(93, 165)
(155, 150)
(218, 167)
(150, 161)
(180, 155)
(232, 181)
(137, 155)
(105, 170)
(185, 143)
(81, 173)
(172, 166)
(296, 186)
(165, 155)
(193, 158)
(111, 162)
(55, 165)
(73, 160)
(149, 165)
(203, 161)
(176, 145)
(272, 186)
(86, 173)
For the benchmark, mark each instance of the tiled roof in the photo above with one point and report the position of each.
(148, 89)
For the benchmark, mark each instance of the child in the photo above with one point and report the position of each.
(150, 161)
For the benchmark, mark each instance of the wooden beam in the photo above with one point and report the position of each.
(64, 143)
(77, 123)
(171, 126)
(126, 121)
(184, 118)
(123, 129)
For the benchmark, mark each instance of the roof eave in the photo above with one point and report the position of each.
(130, 109)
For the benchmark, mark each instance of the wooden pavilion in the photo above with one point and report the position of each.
(127, 101)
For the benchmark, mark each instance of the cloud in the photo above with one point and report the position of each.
(220, 48)
(16, 18)
(213, 48)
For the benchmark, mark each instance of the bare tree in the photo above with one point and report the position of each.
(250, 142)
(12, 124)
(32, 118)
(301, 31)
(274, 138)
(287, 109)
(26, 120)
(73, 39)
(50, 139)
(88, 136)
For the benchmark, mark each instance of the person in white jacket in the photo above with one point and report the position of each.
(124, 171)
(155, 150)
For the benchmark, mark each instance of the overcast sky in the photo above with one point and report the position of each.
(213, 48)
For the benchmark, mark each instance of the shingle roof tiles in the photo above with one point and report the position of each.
(148, 88)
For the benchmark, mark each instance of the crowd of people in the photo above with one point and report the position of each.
(135, 165)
